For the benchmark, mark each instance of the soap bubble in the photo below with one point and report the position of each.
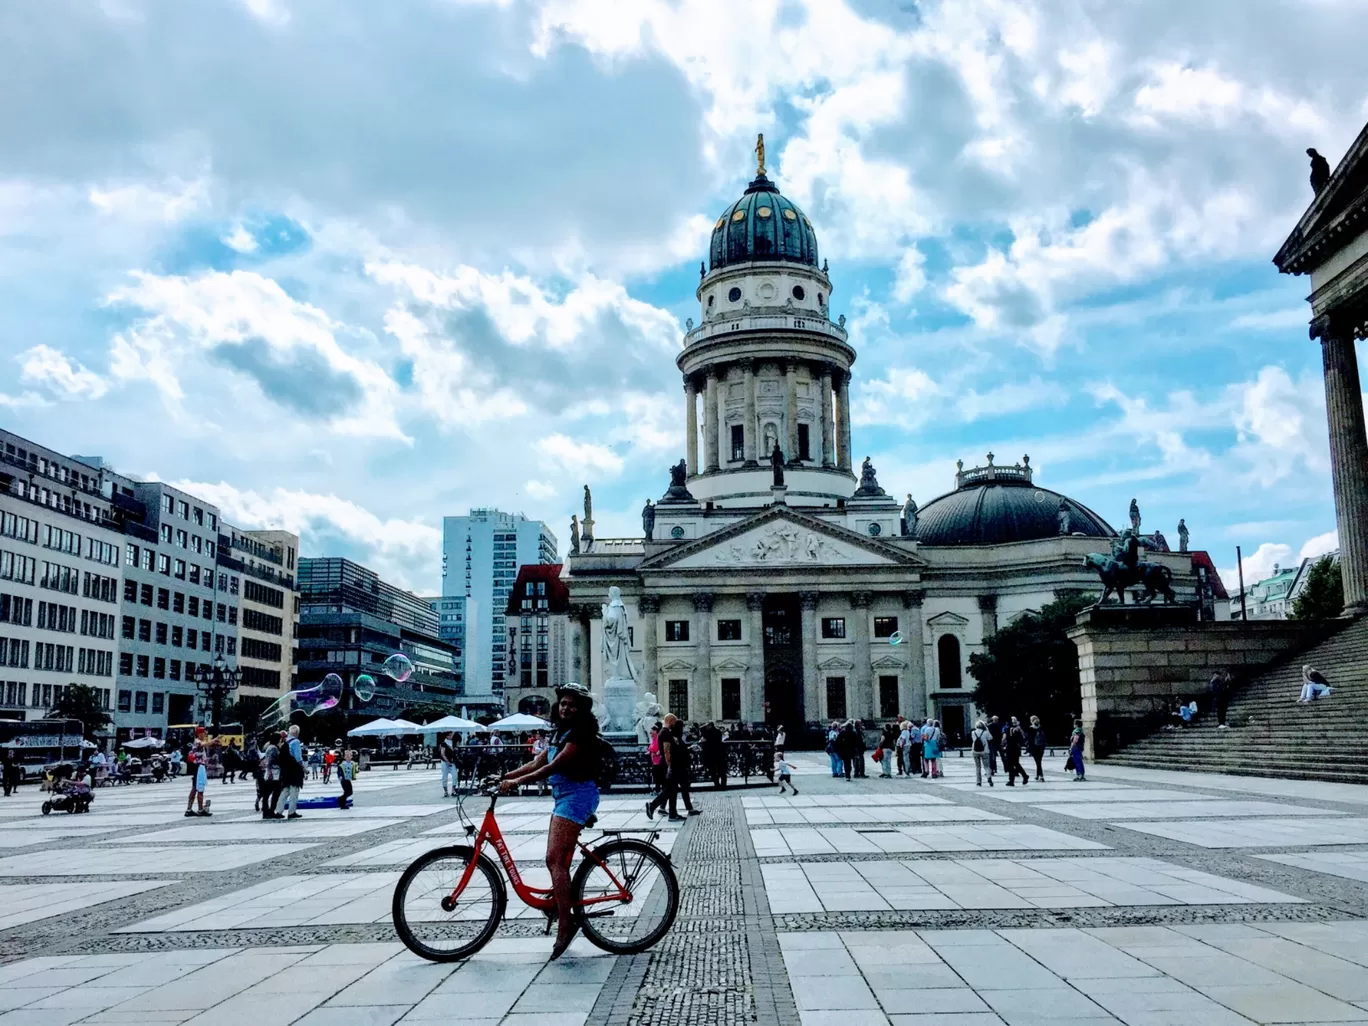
(309, 701)
(399, 666)
(364, 687)
(895, 638)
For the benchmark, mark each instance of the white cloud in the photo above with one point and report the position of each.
(1281, 424)
(67, 378)
(1319, 545)
(240, 239)
(566, 456)
(172, 200)
(539, 489)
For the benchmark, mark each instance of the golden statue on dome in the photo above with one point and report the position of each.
(760, 155)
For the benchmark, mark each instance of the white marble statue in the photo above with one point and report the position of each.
(617, 643)
(648, 712)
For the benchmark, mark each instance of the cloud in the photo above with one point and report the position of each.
(1280, 424)
(578, 459)
(240, 240)
(1318, 546)
(59, 374)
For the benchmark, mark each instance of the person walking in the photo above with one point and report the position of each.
(1220, 696)
(995, 748)
(292, 772)
(860, 748)
(932, 739)
(715, 755)
(677, 770)
(447, 757)
(1035, 744)
(10, 773)
(654, 750)
(785, 771)
(346, 773)
(914, 749)
(315, 763)
(978, 744)
(888, 744)
(847, 748)
(1076, 750)
(199, 781)
(833, 735)
(1013, 741)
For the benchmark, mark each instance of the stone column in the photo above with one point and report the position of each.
(812, 703)
(649, 606)
(1348, 460)
(710, 421)
(751, 426)
(828, 428)
(862, 676)
(753, 692)
(705, 706)
(912, 696)
(723, 439)
(843, 427)
(988, 611)
(595, 613)
(691, 426)
(791, 409)
(576, 622)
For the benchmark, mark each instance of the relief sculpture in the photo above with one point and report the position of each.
(782, 544)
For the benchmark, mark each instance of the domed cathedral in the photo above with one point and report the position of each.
(776, 582)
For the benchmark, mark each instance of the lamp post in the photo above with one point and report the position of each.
(216, 683)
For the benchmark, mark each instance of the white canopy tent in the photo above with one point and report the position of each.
(449, 723)
(143, 742)
(376, 728)
(520, 721)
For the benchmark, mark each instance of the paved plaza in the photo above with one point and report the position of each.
(1137, 897)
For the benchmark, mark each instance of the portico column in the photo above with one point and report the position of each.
(750, 426)
(753, 694)
(843, 429)
(791, 409)
(1348, 459)
(828, 448)
(710, 421)
(811, 703)
(723, 442)
(595, 613)
(912, 695)
(649, 606)
(691, 426)
(988, 611)
(706, 705)
(863, 674)
(576, 621)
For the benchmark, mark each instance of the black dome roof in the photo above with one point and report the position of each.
(1003, 511)
(762, 225)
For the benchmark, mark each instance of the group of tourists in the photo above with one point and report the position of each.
(671, 768)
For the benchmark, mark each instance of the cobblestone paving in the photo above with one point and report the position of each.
(71, 884)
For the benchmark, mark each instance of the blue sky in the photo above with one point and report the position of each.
(349, 267)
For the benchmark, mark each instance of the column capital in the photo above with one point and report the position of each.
(913, 599)
(649, 603)
(703, 602)
(689, 385)
(987, 603)
(860, 599)
(809, 599)
(755, 600)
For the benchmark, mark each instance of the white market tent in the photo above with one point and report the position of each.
(520, 721)
(375, 728)
(143, 742)
(450, 723)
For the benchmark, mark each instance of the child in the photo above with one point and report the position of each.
(785, 770)
(346, 771)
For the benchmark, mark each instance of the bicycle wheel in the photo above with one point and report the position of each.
(628, 925)
(434, 926)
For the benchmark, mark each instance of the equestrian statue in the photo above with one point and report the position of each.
(1124, 569)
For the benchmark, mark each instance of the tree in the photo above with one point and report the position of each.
(82, 702)
(247, 711)
(1322, 597)
(1030, 667)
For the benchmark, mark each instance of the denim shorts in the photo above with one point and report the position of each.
(575, 800)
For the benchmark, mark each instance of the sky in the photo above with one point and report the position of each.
(347, 267)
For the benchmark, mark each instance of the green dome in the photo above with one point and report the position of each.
(762, 225)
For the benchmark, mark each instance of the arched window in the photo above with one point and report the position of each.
(948, 653)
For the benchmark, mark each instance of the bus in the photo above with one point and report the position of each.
(38, 744)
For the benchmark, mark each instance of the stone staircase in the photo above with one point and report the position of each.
(1269, 734)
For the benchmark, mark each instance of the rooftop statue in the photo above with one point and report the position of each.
(908, 521)
(1135, 516)
(869, 480)
(648, 520)
(1064, 516)
(678, 490)
(760, 155)
(1182, 535)
(1320, 170)
(777, 464)
(574, 535)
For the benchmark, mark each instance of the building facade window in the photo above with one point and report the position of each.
(885, 626)
(679, 698)
(731, 698)
(888, 696)
(728, 630)
(833, 627)
(676, 630)
(836, 698)
(738, 442)
(948, 660)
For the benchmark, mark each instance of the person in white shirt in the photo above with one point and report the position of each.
(979, 741)
(785, 771)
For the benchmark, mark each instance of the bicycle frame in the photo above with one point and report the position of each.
(539, 898)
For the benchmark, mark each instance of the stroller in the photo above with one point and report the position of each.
(69, 796)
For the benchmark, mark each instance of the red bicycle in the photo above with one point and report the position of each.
(448, 903)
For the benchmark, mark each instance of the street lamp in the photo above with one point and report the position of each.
(216, 683)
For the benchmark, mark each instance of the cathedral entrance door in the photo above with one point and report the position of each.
(783, 663)
(955, 723)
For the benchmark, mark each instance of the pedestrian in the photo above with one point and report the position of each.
(834, 733)
(199, 781)
(785, 770)
(678, 771)
(657, 755)
(888, 744)
(1220, 696)
(780, 738)
(329, 759)
(1013, 741)
(1035, 743)
(715, 754)
(900, 748)
(978, 744)
(995, 747)
(447, 757)
(860, 748)
(1076, 750)
(932, 739)
(315, 763)
(1314, 685)
(271, 785)
(11, 773)
(346, 773)
(292, 772)
(230, 764)
(848, 746)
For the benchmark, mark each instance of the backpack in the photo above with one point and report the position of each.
(978, 741)
(605, 776)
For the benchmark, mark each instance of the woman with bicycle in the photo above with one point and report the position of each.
(569, 764)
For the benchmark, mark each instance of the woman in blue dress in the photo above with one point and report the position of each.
(570, 765)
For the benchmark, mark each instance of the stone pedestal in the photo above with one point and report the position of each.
(619, 703)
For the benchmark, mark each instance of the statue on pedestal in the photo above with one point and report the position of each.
(619, 679)
(1064, 516)
(648, 520)
(869, 481)
(587, 524)
(678, 490)
(574, 535)
(1135, 516)
(777, 463)
(908, 523)
(1182, 535)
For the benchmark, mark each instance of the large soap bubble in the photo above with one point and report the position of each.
(309, 701)
(399, 666)
(895, 638)
(364, 687)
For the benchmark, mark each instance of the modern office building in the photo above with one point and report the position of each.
(350, 622)
(481, 553)
(268, 606)
(538, 629)
(60, 579)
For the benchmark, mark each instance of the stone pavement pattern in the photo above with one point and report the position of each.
(1138, 897)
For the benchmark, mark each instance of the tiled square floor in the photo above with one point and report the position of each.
(1352, 865)
(136, 860)
(1260, 833)
(308, 826)
(797, 841)
(1214, 808)
(27, 903)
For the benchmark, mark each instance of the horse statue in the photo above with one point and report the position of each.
(1117, 576)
